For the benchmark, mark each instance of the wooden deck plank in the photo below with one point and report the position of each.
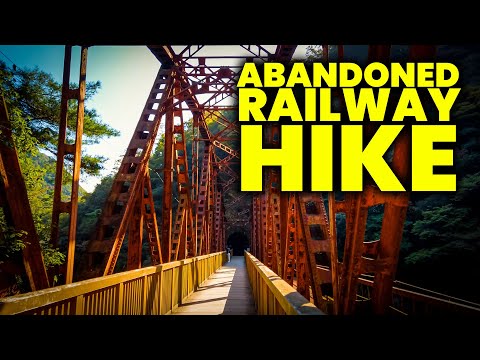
(226, 292)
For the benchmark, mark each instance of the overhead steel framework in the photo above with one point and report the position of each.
(186, 82)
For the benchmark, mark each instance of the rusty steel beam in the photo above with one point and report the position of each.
(150, 220)
(356, 219)
(62, 135)
(227, 138)
(69, 207)
(179, 237)
(225, 148)
(221, 107)
(229, 127)
(204, 218)
(196, 70)
(114, 220)
(195, 169)
(204, 80)
(222, 225)
(222, 120)
(302, 267)
(274, 236)
(218, 218)
(224, 168)
(258, 226)
(272, 186)
(362, 257)
(213, 103)
(224, 239)
(104, 246)
(135, 234)
(227, 184)
(316, 233)
(276, 221)
(263, 227)
(378, 257)
(217, 88)
(16, 205)
(166, 54)
(211, 202)
(290, 242)
(258, 51)
(257, 214)
(334, 266)
(254, 227)
(190, 87)
(168, 153)
(143, 221)
(187, 52)
(235, 200)
(283, 209)
(163, 52)
(395, 212)
(267, 217)
(221, 80)
(272, 220)
(182, 241)
(131, 171)
(202, 200)
(236, 57)
(211, 209)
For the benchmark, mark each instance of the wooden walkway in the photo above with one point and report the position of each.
(226, 292)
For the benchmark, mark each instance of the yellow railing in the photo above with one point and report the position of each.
(273, 295)
(155, 290)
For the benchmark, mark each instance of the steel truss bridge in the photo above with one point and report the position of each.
(293, 265)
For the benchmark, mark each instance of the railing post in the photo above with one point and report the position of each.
(171, 293)
(194, 273)
(181, 281)
(79, 301)
(144, 295)
(120, 299)
(159, 291)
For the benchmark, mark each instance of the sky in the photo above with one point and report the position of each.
(126, 74)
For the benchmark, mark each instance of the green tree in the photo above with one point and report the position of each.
(33, 99)
(33, 102)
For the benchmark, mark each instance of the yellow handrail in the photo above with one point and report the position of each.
(273, 295)
(154, 290)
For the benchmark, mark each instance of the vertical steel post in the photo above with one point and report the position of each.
(16, 205)
(166, 239)
(75, 149)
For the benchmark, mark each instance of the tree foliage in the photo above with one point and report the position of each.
(33, 99)
(33, 102)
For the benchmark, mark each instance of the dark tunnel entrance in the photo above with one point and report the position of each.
(239, 242)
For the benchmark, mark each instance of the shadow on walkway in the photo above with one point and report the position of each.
(226, 292)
